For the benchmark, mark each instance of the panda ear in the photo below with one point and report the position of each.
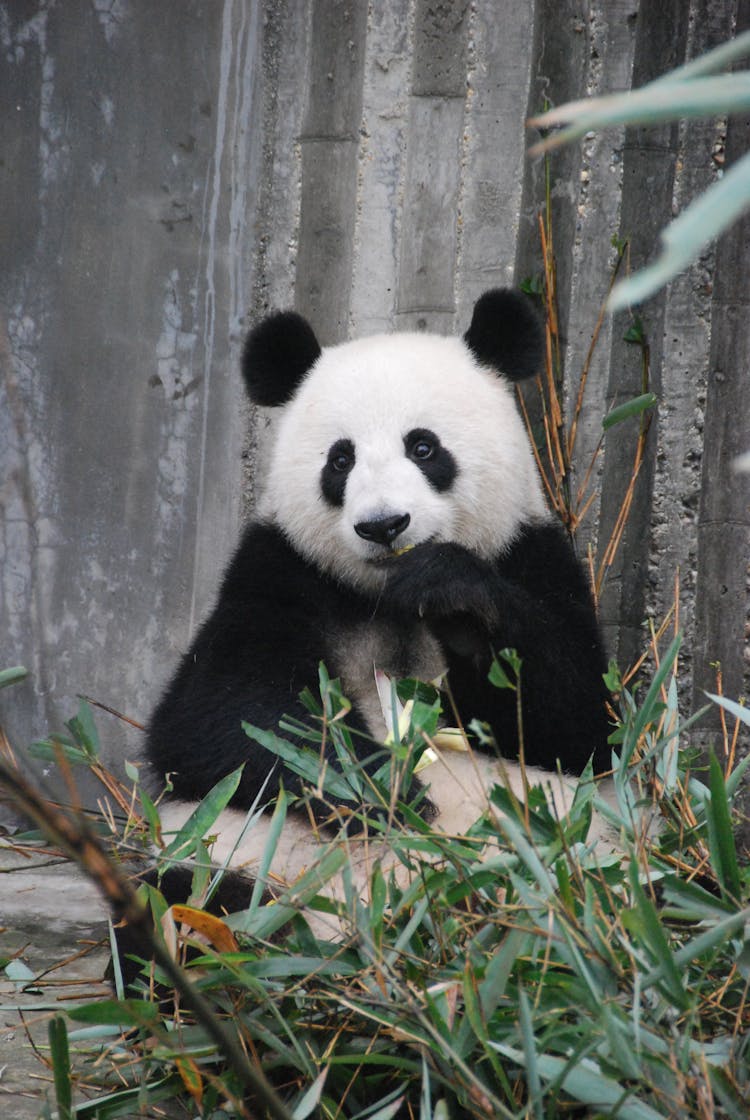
(277, 354)
(506, 334)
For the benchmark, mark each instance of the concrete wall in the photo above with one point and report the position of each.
(130, 170)
(170, 172)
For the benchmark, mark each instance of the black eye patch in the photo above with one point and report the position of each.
(333, 477)
(435, 461)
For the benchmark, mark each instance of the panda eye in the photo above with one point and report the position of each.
(341, 456)
(421, 445)
(434, 460)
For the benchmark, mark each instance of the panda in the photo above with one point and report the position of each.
(402, 531)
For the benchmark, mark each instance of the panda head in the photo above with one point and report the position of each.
(396, 440)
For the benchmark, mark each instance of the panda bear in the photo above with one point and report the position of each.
(402, 531)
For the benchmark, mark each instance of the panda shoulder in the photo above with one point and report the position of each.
(263, 557)
(543, 554)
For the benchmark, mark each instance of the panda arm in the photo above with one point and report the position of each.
(259, 648)
(534, 599)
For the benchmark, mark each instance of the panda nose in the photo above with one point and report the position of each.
(382, 530)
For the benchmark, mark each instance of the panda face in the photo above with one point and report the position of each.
(394, 441)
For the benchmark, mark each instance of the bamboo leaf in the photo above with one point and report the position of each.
(215, 931)
(634, 407)
(310, 1098)
(191, 1078)
(705, 942)
(703, 221)
(302, 761)
(116, 1013)
(651, 104)
(201, 819)
(531, 1064)
(645, 923)
(57, 1034)
(708, 63)
(12, 676)
(586, 1083)
(128, 1103)
(19, 972)
(720, 832)
(274, 832)
(739, 711)
(84, 731)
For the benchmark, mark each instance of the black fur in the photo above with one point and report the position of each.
(506, 334)
(260, 648)
(277, 616)
(435, 461)
(278, 353)
(535, 600)
(341, 458)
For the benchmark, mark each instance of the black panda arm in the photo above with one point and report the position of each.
(257, 651)
(536, 600)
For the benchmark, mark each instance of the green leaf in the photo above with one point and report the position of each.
(303, 762)
(739, 711)
(12, 676)
(586, 1083)
(269, 850)
(533, 1080)
(151, 814)
(128, 1103)
(708, 63)
(116, 1013)
(201, 819)
(515, 944)
(705, 942)
(19, 972)
(310, 1098)
(47, 750)
(634, 407)
(83, 729)
(734, 779)
(651, 104)
(497, 674)
(389, 1107)
(720, 832)
(268, 919)
(692, 902)
(647, 712)
(635, 333)
(703, 221)
(644, 923)
(58, 1044)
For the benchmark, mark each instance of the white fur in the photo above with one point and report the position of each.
(459, 785)
(374, 391)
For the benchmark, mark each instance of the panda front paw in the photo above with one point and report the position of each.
(439, 581)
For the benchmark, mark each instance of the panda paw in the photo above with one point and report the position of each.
(439, 581)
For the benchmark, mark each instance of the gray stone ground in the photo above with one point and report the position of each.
(53, 919)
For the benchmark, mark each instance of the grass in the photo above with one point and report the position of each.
(519, 977)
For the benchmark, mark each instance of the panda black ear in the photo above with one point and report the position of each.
(506, 333)
(277, 354)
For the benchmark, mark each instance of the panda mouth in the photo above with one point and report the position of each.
(391, 553)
